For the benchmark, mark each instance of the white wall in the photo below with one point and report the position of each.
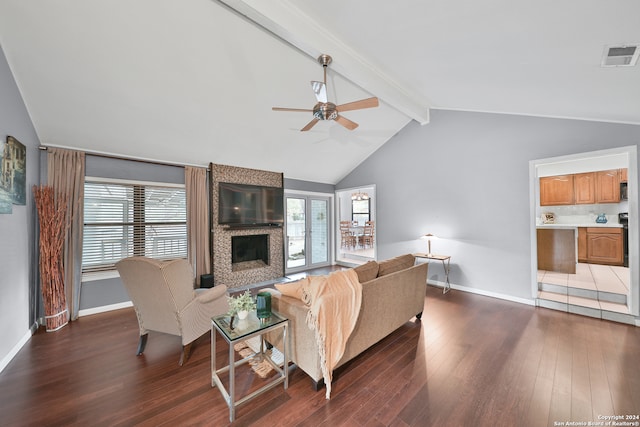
(465, 178)
(17, 247)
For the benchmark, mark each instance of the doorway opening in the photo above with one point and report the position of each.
(356, 232)
(569, 291)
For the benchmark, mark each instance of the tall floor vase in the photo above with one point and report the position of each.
(52, 212)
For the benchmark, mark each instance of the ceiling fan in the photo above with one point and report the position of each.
(325, 110)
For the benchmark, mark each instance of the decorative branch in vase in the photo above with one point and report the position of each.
(52, 212)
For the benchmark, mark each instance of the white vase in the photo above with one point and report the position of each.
(242, 314)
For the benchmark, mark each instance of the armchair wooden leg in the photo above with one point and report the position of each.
(186, 352)
(142, 343)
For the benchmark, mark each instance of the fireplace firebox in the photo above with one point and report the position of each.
(249, 252)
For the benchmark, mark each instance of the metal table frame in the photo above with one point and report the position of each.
(446, 260)
(233, 335)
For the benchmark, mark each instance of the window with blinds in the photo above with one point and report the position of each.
(131, 219)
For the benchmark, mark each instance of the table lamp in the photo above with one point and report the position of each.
(429, 236)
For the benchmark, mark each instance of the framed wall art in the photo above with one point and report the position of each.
(13, 174)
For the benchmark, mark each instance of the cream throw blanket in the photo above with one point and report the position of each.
(334, 305)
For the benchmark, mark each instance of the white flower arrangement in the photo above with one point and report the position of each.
(242, 302)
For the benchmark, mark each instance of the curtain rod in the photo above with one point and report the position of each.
(131, 159)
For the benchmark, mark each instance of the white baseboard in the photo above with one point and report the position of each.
(104, 308)
(16, 348)
(486, 293)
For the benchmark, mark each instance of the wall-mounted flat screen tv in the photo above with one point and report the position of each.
(243, 205)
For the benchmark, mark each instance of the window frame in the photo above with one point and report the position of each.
(138, 224)
(361, 214)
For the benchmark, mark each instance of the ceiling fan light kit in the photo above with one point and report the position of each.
(325, 110)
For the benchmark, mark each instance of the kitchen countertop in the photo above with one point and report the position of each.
(591, 224)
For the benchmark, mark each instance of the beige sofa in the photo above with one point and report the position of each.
(393, 292)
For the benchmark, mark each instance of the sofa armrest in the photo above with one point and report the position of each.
(303, 350)
(206, 295)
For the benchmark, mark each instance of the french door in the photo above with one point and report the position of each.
(307, 232)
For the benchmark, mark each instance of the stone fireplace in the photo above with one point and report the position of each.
(249, 252)
(233, 247)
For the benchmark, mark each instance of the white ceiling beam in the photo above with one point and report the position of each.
(288, 23)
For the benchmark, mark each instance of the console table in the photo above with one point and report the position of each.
(446, 259)
(242, 330)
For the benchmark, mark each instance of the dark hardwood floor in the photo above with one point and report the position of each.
(471, 361)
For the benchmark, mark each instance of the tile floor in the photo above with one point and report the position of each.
(356, 256)
(591, 277)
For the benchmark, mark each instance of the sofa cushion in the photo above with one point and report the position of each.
(392, 265)
(367, 272)
(292, 289)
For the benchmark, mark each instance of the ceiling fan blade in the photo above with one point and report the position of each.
(346, 122)
(304, 110)
(309, 125)
(320, 90)
(359, 105)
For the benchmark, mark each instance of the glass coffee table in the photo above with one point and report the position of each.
(242, 330)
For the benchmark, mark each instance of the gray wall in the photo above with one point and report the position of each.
(316, 187)
(465, 178)
(17, 248)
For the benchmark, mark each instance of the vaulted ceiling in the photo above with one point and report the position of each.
(194, 81)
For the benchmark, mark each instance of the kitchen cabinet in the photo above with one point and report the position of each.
(584, 188)
(607, 186)
(556, 249)
(556, 190)
(600, 245)
(623, 175)
(582, 244)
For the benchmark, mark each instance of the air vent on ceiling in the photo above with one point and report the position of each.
(620, 56)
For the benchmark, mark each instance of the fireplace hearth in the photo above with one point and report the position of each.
(249, 252)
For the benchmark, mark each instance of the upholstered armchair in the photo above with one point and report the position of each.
(165, 300)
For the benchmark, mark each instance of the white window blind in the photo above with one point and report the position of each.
(130, 219)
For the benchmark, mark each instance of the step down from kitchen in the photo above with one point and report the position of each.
(584, 293)
(574, 300)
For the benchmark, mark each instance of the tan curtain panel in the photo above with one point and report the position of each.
(197, 220)
(65, 173)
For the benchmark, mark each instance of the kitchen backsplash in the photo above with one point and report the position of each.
(584, 214)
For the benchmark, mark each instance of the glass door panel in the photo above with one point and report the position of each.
(296, 226)
(308, 237)
(319, 231)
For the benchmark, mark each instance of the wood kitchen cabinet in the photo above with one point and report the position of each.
(581, 188)
(556, 190)
(582, 244)
(600, 245)
(623, 175)
(556, 250)
(584, 185)
(607, 186)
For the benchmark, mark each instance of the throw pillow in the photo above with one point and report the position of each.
(392, 265)
(292, 289)
(367, 272)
